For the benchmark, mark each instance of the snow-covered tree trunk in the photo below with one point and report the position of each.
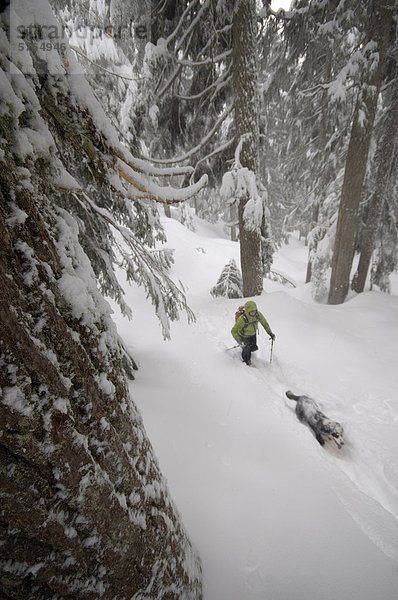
(246, 121)
(380, 24)
(386, 156)
(313, 242)
(85, 511)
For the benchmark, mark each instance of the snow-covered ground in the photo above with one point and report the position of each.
(273, 514)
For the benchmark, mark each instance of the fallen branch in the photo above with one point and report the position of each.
(280, 278)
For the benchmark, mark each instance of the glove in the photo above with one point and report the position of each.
(272, 336)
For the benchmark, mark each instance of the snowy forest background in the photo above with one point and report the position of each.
(115, 115)
(318, 74)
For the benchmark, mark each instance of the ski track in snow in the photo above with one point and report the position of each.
(374, 478)
(368, 463)
(236, 444)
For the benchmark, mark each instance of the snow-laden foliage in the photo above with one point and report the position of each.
(229, 284)
(111, 194)
(102, 37)
(240, 183)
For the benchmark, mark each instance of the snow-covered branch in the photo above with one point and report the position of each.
(145, 166)
(151, 191)
(280, 14)
(144, 268)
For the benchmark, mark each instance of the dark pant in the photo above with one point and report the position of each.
(250, 345)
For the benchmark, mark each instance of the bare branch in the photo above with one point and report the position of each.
(103, 68)
(214, 152)
(217, 32)
(173, 77)
(219, 84)
(205, 61)
(170, 81)
(179, 24)
(202, 143)
(193, 24)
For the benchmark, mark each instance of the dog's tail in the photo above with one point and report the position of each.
(292, 396)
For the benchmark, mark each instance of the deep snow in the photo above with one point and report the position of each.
(274, 515)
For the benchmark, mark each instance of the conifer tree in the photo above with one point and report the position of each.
(229, 284)
(246, 121)
(84, 507)
(382, 194)
(375, 52)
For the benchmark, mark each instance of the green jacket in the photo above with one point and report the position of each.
(245, 326)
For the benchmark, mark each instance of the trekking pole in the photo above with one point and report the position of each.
(272, 347)
(232, 347)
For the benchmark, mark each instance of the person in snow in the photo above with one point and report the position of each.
(245, 330)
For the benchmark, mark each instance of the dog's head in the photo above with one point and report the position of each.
(334, 431)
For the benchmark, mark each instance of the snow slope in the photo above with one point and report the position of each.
(273, 514)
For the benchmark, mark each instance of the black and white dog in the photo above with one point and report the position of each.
(324, 428)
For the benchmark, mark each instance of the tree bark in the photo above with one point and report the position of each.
(379, 31)
(246, 120)
(85, 512)
(84, 507)
(386, 154)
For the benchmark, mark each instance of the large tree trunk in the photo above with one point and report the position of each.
(379, 31)
(85, 512)
(385, 157)
(246, 121)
